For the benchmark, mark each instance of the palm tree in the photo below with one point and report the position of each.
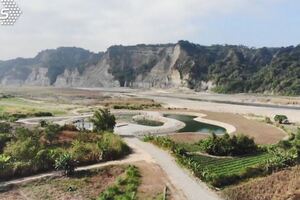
(103, 120)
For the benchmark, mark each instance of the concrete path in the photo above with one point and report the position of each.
(193, 189)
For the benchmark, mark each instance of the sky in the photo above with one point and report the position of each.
(97, 24)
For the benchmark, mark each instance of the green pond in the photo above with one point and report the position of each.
(195, 126)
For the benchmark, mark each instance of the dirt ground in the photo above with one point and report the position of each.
(262, 132)
(283, 185)
(79, 187)
(154, 181)
(188, 138)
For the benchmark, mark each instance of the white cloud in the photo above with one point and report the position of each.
(97, 24)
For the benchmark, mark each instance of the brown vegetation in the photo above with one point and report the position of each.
(283, 185)
(188, 138)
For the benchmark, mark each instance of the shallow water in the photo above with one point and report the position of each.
(195, 126)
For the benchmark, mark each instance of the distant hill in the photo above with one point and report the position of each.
(225, 69)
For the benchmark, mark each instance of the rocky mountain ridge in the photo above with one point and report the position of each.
(222, 68)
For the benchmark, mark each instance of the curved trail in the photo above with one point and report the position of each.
(192, 188)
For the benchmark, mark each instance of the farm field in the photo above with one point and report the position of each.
(229, 166)
(215, 161)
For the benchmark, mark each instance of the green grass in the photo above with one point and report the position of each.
(228, 166)
(18, 105)
(146, 122)
(190, 147)
(125, 187)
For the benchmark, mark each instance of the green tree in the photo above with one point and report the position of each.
(244, 145)
(51, 132)
(280, 118)
(103, 120)
(226, 145)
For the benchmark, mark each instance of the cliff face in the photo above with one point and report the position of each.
(134, 66)
(145, 66)
(220, 68)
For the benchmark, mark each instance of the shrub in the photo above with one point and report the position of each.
(243, 145)
(43, 114)
(147, 122)
(45, 159)
(112, 146)
(24, 150)
(4, 138)
(51, 132)
(85, 152)
(17, 116)
(65, 163)
(5, 127)
(24, 133)
(280, 118)
(103, 120)
(43, 123)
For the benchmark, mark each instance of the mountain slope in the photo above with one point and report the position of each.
(228, 69)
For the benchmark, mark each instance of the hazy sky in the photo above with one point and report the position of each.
(98, 24)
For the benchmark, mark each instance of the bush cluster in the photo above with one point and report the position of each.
(12, 117)
(136, 106)
(26, 152)
(226, 145)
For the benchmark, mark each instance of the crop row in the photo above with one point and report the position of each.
(229, 165)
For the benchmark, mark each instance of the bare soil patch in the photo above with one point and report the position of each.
(67, 136)
(188, 138)
(154, 180)
(262, 132)
(283, 185)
